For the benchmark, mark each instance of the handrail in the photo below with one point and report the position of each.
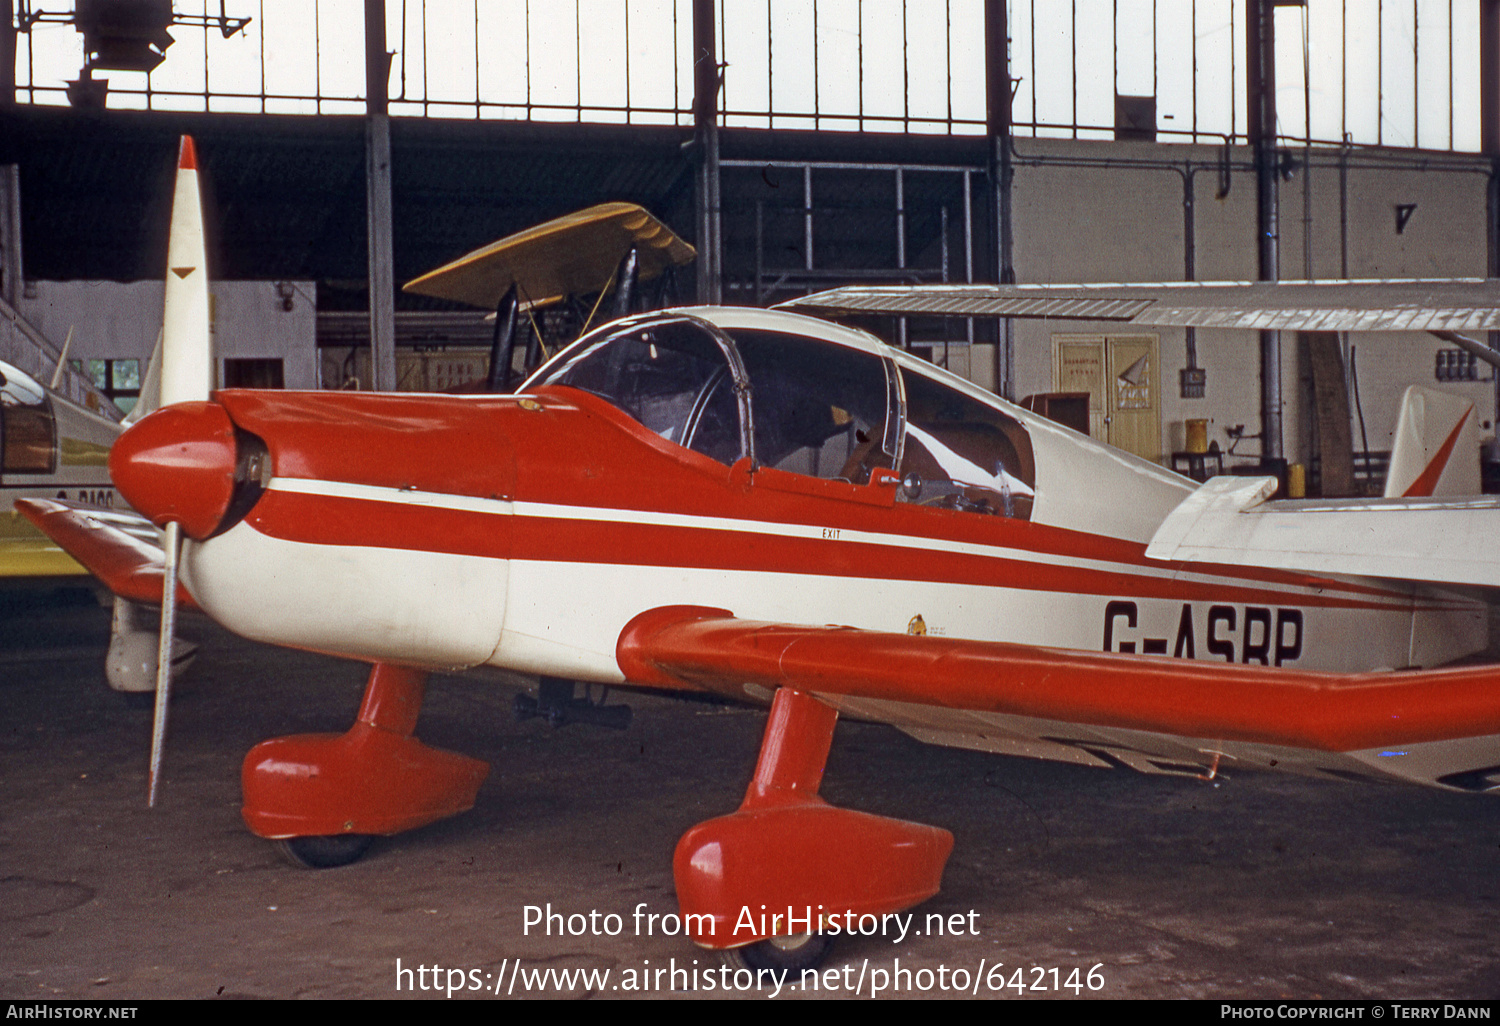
(76, 387)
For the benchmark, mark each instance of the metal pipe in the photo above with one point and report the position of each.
(1307, 218)
(382, 283)
(1351, 375)
(1189, 266)
(1489, 145)
(760, 251)
(12, 270)
(943, 234)
(1260, 44)
(1469, 345)
(8, 57)
(900, 219)
(807, 217)
(944, 242)
(968, 229)
(706, 150)
(848, 165)
(1344, 213)
(901, 242)
(1489, 77)
(969, 252)
(998, 124)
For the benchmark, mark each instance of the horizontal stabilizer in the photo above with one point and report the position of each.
(112, 546)
(1443, 541)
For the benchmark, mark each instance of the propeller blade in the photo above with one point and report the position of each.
(187, 367)
(172, 543)
(187, 374)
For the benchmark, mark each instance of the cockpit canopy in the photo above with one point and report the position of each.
(805, 405)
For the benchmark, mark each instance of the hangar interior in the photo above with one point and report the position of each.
(826, 143)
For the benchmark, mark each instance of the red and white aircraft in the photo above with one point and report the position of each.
(688, 499)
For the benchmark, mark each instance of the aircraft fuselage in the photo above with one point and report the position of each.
(525, 531)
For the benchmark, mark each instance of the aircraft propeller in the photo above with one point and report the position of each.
(186, 375)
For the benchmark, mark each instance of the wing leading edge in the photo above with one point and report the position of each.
(697, 647)
(1471, 304)
(574, 253)
(114, 547)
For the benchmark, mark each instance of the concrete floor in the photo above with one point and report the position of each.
(1257, 886)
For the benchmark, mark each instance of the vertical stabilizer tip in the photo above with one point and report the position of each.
(187, 156)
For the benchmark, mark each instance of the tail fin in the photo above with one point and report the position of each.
(1436, 449)
(187, 364)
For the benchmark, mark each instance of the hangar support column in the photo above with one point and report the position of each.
(10, 174)
(1489, 145)
(998, 125)
(1260, 42)
(382, 284)
(12, 275)
(8, 55)
(706, 151)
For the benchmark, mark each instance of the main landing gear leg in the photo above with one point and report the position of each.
(130, 663)
(771, 877)
(326, 796)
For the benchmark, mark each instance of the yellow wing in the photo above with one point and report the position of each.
(576, 253)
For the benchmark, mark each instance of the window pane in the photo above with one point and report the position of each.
(98, 372)
(125, 375)
(818, 408)
(28, 440)
(962, 454)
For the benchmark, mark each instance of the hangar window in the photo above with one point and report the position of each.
(819, 409)
(119, 380)
(963, 454)
(674, 375)
(27, 432)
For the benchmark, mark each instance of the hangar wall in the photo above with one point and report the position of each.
(290, 206)
(120, 320)
(1121, 218)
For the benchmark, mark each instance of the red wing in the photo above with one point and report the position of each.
(691, 646)
(110, 545)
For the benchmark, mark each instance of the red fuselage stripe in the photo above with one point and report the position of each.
(347, 521)
(572, 449)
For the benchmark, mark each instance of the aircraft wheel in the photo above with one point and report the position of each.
(777, 954)
(325, 852)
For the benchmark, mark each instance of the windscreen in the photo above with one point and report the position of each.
(671, 376)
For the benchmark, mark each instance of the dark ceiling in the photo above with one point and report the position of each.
(286, 195)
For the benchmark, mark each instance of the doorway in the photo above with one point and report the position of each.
(1120, 374)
